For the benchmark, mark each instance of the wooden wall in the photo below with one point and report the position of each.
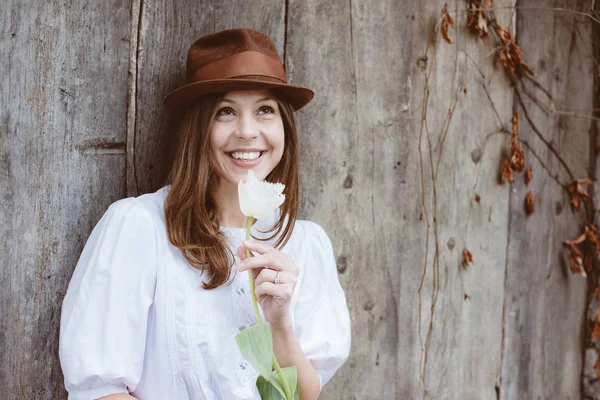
(402, 137)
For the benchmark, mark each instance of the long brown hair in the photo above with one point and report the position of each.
(190, 211)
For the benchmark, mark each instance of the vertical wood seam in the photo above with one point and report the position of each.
(593, 153)
(499, 383)
(285, 32)
(137, 76)
(131, 179)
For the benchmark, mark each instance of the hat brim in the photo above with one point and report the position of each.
(297, 96)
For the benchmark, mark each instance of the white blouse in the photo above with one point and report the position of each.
(136, 319)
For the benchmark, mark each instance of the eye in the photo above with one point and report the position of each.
(225, 111)
(266, 109)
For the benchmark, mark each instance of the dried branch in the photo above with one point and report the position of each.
(542, 138)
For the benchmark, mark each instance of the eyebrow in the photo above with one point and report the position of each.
(228, 100)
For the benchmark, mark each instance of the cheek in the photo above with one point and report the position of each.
(217, 139)
(278, 139)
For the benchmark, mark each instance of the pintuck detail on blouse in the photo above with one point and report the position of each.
(243, 310)
(135, 318)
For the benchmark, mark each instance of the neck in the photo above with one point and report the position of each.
(228, 206)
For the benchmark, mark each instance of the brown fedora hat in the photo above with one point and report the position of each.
(235, 59)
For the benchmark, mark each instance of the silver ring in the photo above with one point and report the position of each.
(277, 281)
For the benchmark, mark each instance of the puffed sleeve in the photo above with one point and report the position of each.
(105, 310)
(321, 317)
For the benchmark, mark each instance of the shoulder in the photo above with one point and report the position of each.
(309, 230)
(148, 206)
(309, 239)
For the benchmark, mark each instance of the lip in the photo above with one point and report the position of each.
(243, 163)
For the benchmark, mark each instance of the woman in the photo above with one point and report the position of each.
(159, 294)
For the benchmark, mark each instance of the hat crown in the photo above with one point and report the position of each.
(223, 44)
(235, 59)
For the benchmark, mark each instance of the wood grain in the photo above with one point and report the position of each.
(62, 162)
(454, 320)
(544, 303)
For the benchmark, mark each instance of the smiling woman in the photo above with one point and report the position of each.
(155, 303)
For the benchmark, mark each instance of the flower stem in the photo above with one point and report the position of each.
(286, 388)
(250, 275)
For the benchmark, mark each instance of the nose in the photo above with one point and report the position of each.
(247, 127)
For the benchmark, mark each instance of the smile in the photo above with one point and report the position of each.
(246, 158)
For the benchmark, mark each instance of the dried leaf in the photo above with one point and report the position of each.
(517, 156)
(577, 192)
(529, 204)
(467, 258)
(579, 239)
(477, 18)
(515, 123)
(592, 235)
(596, 329)
(509, 53)
(507, 172)
(575, 260)
(528, 176)
(447, 22)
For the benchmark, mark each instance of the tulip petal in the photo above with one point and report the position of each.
(259, 199)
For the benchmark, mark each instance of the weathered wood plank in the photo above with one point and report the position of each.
(544, 304)
(378, 155)
(319, 54)
(160, 68)
(455, 148)
(351, 138)
(62, 162)
(591, 383)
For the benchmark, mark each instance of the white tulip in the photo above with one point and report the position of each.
(259, 199)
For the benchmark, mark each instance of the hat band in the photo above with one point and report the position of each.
(243, 63)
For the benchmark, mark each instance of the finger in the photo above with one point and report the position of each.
(285, 277)
(255, 274)
(241, 252)
(266, 260)
(270, 289)
(264, 275)
(258, 247)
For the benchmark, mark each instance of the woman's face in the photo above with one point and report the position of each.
(247, 133)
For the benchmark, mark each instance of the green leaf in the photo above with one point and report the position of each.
(267, 390)
(273, 383)
(256, 345)
(290, 374)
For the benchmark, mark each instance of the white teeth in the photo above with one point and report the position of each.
(246, 156)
